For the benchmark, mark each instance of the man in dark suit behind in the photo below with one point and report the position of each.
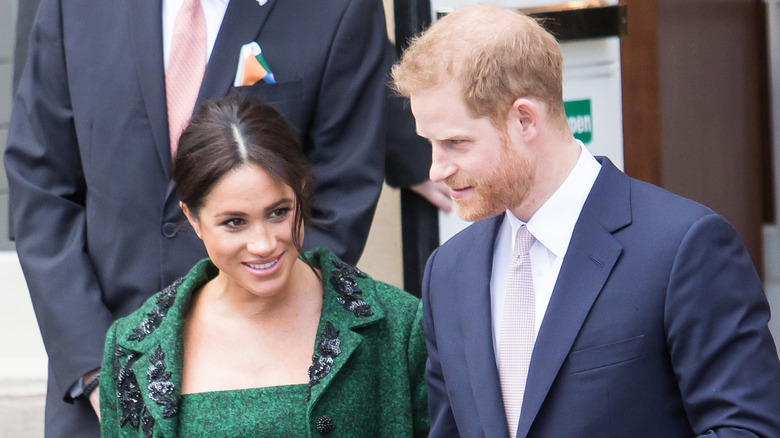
(645, 316)
(97, 224)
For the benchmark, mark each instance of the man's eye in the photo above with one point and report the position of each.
(454, 142)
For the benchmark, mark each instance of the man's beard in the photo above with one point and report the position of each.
(505, 188)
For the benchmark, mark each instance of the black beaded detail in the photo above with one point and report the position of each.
(344, 281)
(161, 389)
(131, 401)
(147, 423)
(325, 425)
(328, 348)
(153, 319)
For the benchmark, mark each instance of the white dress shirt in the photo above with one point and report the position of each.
(552, 227)
(214, 12)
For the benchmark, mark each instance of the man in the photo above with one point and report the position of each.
(643, 315)
(97, 225)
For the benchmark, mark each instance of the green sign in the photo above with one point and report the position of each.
(580, 119)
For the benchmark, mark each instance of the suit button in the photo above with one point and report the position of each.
(169, 229)
(325, 425)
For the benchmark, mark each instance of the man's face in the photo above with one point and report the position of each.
(487, 170)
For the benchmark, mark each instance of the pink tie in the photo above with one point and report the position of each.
(517, 329)
(186, 66)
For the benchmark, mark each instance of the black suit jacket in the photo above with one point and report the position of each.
(97, 224)
(657, 327)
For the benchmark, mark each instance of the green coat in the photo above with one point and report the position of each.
(367, 377)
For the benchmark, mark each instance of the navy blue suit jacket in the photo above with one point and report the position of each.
(657, 327)
(97, 223)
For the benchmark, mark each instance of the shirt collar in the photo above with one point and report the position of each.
(553, 224)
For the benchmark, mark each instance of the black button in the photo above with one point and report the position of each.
(169, 229)
(325, 425)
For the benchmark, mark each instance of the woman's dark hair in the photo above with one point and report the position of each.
(227, 133)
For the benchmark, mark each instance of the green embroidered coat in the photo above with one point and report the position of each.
(367, 377)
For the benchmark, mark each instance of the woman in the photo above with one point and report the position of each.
(261, 339)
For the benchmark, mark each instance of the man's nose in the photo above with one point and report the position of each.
(441, 167)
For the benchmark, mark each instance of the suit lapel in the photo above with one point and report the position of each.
(242, 23)
(590, 258)
(477, 323)
(146, 41)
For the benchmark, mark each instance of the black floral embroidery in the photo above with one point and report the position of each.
(129, 393)
(328, 348)
(153, 319)
(346, 269)
(343, 280)
(161, 389)
(147, 425)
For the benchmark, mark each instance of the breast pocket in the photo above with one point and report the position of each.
(285, 97)
(606, 355)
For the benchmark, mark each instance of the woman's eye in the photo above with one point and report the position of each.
(280, 213)
(234, 222)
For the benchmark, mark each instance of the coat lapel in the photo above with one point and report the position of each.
(150, 358)
(158, 373)
(477, 327)
(149, 373)
(146, 41)
(348, 342)
(590, 258)
(242, 24)
(347, 305)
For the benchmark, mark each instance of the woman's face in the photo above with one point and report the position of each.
(246, 225)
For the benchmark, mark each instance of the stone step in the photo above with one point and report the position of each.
(21, 408)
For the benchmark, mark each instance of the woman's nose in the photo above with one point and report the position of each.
(261, 242)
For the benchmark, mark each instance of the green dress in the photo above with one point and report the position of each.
(367, 377)
(277, 411)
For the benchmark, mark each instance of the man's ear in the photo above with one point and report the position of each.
(524, 116)
(190, 218)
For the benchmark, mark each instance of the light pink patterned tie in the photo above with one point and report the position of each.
(186, 67)
(517, 329)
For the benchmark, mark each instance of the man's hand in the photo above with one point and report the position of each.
(437, 193)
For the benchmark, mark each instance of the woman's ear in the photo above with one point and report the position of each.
(524, 116)
(190, 218)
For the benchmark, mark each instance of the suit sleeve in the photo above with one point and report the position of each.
(348, 133)
(47, 192)
(722, 352)
(442, 420)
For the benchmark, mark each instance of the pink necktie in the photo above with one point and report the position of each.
(517, 329)
(186, 67)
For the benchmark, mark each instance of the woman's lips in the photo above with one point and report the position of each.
(264, 267)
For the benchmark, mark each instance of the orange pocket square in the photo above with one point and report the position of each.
(252, 66)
